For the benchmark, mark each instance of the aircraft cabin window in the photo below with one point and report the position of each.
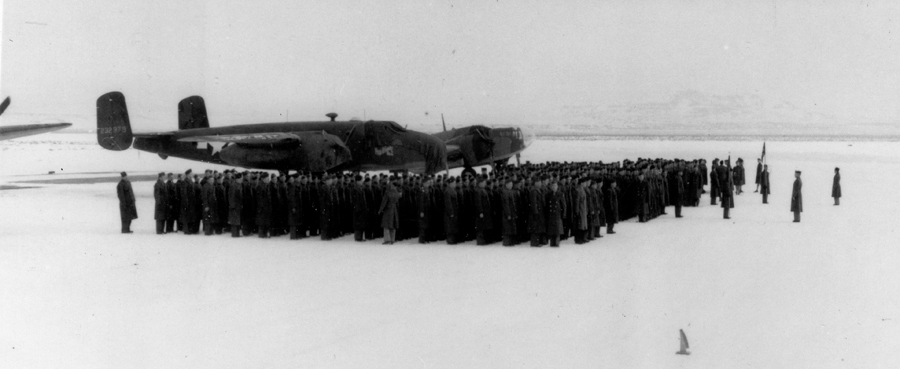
(396, 127)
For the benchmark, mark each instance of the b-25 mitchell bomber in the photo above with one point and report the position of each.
(315, 146)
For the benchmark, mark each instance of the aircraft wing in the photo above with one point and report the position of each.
(153, 134)
(9, 132)
(246, 138)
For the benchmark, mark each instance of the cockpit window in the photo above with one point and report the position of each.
(395, 127)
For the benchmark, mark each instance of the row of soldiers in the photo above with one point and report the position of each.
(542, 203)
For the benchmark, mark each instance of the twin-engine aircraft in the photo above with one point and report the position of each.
(316, 146)
(10, 132)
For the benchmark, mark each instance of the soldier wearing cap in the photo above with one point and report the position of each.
(764, 184)
(537, 224)
(483, 221)
(221, 204)
(127, 208)
(278, 189)
(210, 204)
(327, 204)
(598, 219)
(713, 182)
(425, 206)
(580, 223)
(172, 206)
(759, 166)
(360, 207)
(236, 205)
(390, 217)
(643, 198)
(726, 193)
(161, 196)
(509, 213)
(190, 204)
(738, 176)
(451, 212)
(292, 207)
(248, 208)
(702, 170)
(556, 210)
(836, 186)
(797, 197)
(264, 196)
(311, 203)
(612, 206)
(678, 199)
(372, 221)
(183, 184)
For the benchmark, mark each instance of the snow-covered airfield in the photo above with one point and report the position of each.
(756, 291)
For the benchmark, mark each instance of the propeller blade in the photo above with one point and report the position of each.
(443, 123)
(4, 105)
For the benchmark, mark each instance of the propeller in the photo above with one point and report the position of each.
(4, 105)
(443, 123)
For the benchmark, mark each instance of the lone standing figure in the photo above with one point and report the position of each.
(127, 209)
(797, 197)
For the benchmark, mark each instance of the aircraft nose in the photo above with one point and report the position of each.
(435, 153)
(528, 136)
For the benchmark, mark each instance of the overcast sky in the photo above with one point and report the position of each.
(496, 62)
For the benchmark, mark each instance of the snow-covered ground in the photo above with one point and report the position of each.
(756, 291)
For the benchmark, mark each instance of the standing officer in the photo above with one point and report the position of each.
(509, 213)
(483, 222)
(294, 206)
(160, 194)
(764, 183)
(580, 223)
(235, 206)
(360, 209)
(264, 206)
(424, 207)
(327, 195)
(248, 208)
(127, 209)
(556, 210)
(713, 182)
(536, 222)
(451, 212)
(797, 197)
(679, 193)
(172, 206)
(738, 176)
(221, 204)
(726, 192)
(836, 186)
(612, 206)
(210, 204)
(705, 178)
(390, 217)
(759, 167)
